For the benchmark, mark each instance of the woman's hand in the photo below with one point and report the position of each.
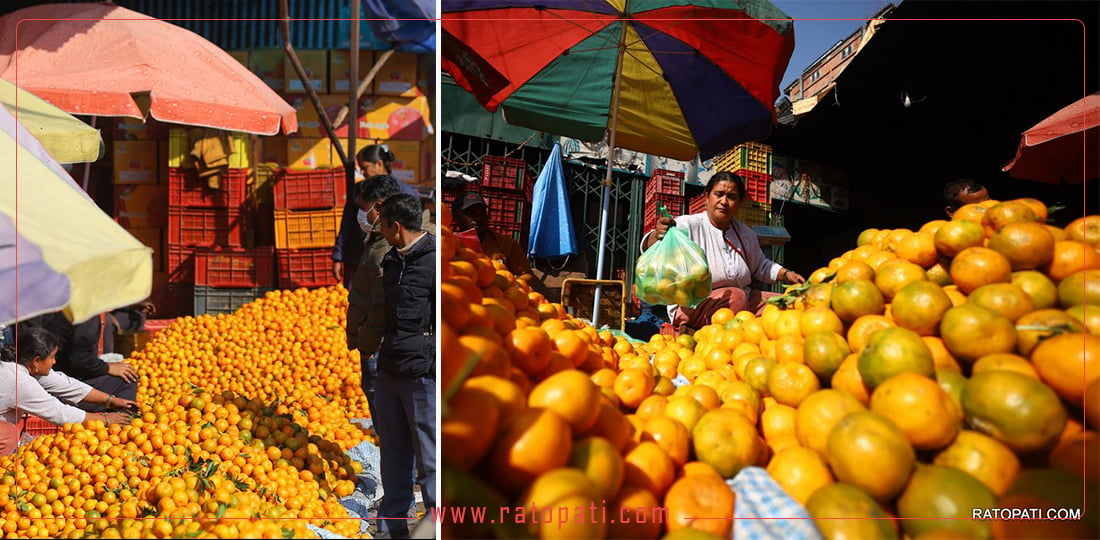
(122, 370)
(338, 271)
(110, 418)
(119, 403)
(790, 276)
(663, 225)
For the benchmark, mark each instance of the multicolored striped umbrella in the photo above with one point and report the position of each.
(671, 78)
(694, 78)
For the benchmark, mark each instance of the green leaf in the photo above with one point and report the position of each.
(221, 511)
(287, 533)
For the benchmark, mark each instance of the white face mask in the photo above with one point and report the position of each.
(364, 222)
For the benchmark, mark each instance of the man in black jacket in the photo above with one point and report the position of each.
(405, 389)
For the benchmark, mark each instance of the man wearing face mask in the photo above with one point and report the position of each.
(366, 299)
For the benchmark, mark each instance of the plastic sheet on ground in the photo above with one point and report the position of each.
(764, 511)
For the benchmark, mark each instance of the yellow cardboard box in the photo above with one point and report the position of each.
(397, 118)
(141, 206)
(339, 67)
(179, 149)
(398, 76)
(268, 64)
(309, 122)
(135, 162)
(153, 238)
(315, 62)
(308, 153)
(273, 149)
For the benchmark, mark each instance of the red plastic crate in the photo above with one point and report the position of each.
(665, 182)
(504, 173)
(180, 265)
(235, 268)
(173, 299)
(675, 204)
(309, 190)
(449, 195)
(698, 203)
(505, 206)
(513, 229)
(756, 185)
(205, 226)
(304, 268)
(185, 188)
(35, 426)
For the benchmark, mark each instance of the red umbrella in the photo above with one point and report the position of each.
(95, 59)
(1063, 147)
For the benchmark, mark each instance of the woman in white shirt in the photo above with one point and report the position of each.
(733, 254)
(28, 384)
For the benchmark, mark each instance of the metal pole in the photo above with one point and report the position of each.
(610, 164)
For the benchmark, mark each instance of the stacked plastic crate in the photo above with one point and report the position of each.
(752, 162)
(663, 188)
(308, 206)
(506, 187)
(203, 218)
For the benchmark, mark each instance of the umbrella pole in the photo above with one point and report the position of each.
(604, 214)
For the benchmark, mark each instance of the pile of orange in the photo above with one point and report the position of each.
(921, 374)
(244, 426)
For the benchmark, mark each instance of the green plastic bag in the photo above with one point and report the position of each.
(673, 271)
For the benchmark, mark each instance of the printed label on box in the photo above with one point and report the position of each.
(135, 162)
(339, 69)
(397, 76)
(141, 206)
(268, 65)
(315, 64)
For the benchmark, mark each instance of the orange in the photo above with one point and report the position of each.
(1008, 213)
(727, 441)
(700, 496)
(823, 352)
(742, 392)
(952, 382)
(941, 357)
(868, 451)
(529, 349)
(938, 273)
(854, 270)
(790, 383)
(632, 511)
(1038, 286)
(894, 275)
(570, 394)
(693, 468)
(600, 461)
(1005, 361)
(787, 323)
(978, 266)
(519, 454)
(943, 498)
(469, 427)
(722, 316)
(1068, 363)
(570, 344)
(1039, 208)
(971, 331)
(919, 306)
(848, 380)
(649, 467)
(932, 226)
(819, 413)
(1084, 229)
(454, 304)
(892, 351)
(651, 406)
(756, 371)
(1069, 257)
(1079, 456)
(865, 237)
(613, 426)
(1087, 315)
(859, 333)
(855, 298)
(957, 235)
(971, 212)
(1092, 410)
(983, 457)
(1042, 324)
(788, 349)
(604, 378)
(488, 356)
(918, 248)
(705, 395)
(684, 409)
(1079, 288)
(800, 472)
(992, 402)
(920, 408)
(820, 319)
(633, 385)
(1026, 245)
(845, 511)
(671, 436)
(778, 421)
(1004, 298)
(561, 488)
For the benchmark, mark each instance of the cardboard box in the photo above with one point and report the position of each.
(268, 65)
(141, 206)
(179, 148)
(134, 129)
(315, 62)
(154, 238)
(308, 153)
(396, 118)
(309, 122)
(339, 67)
(273, 149)
(135, 162)
(406, 166)
(398, 76)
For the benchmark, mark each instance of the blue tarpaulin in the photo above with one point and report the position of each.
(409, 25)
(552, 233)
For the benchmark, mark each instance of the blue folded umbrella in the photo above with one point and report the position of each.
(552, 233)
